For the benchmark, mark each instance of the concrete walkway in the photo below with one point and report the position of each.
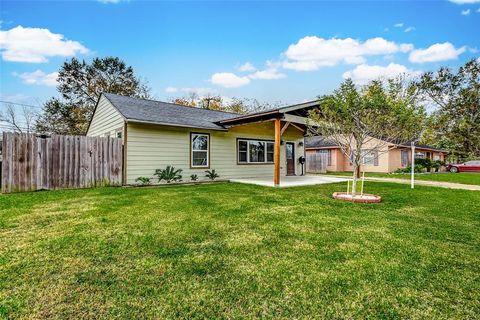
(441, 184)
(291, 181)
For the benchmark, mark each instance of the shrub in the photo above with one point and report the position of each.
(143, 181)
(169, 174)
(211, 174)
(426, 163)
(194, 177)
(418, 169)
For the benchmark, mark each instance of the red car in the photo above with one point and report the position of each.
(469, 166)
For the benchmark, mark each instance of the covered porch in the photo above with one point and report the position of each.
(294, 116)
(291, 181)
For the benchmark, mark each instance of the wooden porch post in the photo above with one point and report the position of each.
(276, 153)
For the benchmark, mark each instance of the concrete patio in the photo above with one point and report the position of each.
(291, 181)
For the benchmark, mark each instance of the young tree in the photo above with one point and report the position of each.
(80, 85)
(456, 123)
(366, 120)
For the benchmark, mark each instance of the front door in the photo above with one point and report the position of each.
(290, 158)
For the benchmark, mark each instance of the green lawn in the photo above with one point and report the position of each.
(462, 177)
(239, 251)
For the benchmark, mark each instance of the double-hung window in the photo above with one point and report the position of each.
(255, 151)
(200, 150)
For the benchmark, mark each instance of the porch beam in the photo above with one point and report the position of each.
(276, 153)
(285, 126)
(295, 119)
(298, 127)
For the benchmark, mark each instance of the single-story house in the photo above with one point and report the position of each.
(388, 158)
(157, 134)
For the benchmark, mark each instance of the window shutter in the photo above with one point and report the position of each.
(375, 158)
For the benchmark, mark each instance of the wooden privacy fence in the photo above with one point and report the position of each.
(32, 162)
(316, 162)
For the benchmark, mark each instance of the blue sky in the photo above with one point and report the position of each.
(294, 50)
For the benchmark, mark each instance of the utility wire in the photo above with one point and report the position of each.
(20, 104)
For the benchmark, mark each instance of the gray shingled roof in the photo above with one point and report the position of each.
(423, 146)
(319, 142)
(150, 111)
(324, 142)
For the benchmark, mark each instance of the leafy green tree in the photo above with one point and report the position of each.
(362, 121)
(235, 105)
(80, 84)
(455, 125)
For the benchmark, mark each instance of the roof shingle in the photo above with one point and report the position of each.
(157, 112)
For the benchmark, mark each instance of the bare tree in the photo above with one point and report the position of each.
(367, 120)
(22, 122)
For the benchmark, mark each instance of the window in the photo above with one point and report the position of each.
(420, 155)
(472, 163)
(255, 151)
(436, 157)
(200, 148)
(404, 158)
(118, 134)
(329, 156)
(370, 157)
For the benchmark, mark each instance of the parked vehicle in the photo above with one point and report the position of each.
(469, 166)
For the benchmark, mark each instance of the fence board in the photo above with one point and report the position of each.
(316, 162)
(33, 162)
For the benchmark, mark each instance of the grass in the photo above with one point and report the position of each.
(461, 177)
(238, 251)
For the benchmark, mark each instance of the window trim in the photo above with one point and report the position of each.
(208, 150)
(248, 163)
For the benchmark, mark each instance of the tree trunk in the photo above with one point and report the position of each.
(354, 181)
(357, 172)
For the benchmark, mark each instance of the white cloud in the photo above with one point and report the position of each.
(247, 66)
(267, 74)
(229, 80)
(437, 52)
(408, 29)
(311, 53)
(36, 45)
(270, 73)
(465, 1)
(39, 77)
(465, 12)
(398, 25)
(364, 72)
(171, 89)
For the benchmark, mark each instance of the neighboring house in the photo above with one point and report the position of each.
(157, 134)
(387, 159)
